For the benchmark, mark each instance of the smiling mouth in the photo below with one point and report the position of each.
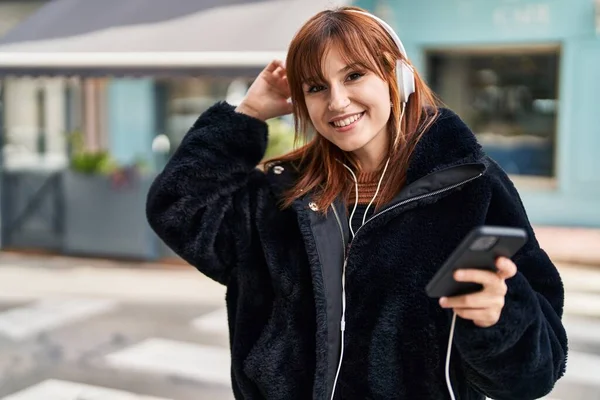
(348, 121)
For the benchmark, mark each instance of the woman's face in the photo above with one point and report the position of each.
(351, 108)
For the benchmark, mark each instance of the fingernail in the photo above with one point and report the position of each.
(458, 275)
(443, 301)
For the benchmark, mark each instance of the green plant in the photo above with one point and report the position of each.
(93, 162)
(89, 161)
(99, 162)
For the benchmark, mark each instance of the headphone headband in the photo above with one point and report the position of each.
(404, 73)
(388, 29)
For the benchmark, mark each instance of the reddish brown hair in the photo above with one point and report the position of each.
(361, 40)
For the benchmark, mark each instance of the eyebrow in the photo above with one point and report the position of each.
(351, 66)
(348, 67)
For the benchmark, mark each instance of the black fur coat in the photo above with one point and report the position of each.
(219, 212)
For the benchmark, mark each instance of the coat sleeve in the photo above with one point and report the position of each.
(524, 354)
(201, 204)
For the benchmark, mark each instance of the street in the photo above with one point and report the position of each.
(161, 334)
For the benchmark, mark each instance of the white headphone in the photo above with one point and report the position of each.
(404, 72)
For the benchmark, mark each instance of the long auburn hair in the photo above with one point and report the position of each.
(362, 40)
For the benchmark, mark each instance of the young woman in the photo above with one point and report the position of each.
(327, 252)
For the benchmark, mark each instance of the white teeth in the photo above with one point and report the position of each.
(347, 121)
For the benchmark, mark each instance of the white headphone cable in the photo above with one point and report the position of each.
(376, 192)
(399, 126)
(448, 352)
(356, 197)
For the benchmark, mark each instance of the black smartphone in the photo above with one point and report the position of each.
(478, 250)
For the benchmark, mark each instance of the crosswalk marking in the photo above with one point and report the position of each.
(214, 322)
(186, 360)
(24, 322)
(63, 390)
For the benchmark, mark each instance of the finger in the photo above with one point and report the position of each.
(280, 74)
(273, 65)
(506, 268)
(474, 301)
(275, 77)
(484, 277)
(491, 281)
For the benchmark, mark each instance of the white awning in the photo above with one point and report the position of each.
(239, 35)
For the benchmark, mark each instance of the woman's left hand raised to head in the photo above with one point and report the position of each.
(484, 307)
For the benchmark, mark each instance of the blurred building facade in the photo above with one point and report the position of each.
(96, 95)
(524, 75)
(95, 99)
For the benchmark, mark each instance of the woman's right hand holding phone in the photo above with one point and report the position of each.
(268, 96)
(485, 307)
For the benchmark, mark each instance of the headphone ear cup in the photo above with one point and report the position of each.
(400, 80)
(408, 81)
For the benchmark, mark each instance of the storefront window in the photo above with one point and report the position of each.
(34, 124)
(182, 100)
(509, 100)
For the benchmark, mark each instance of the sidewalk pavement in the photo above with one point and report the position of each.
(23, 277)
(27, 278)
(20, 283)
(31, 277)
(567, 245)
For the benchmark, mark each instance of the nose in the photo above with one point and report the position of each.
(338, 99)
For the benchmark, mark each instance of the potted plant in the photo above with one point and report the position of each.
(104, 206)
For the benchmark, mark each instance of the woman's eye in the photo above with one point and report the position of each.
(315, 89)
(354, 76)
